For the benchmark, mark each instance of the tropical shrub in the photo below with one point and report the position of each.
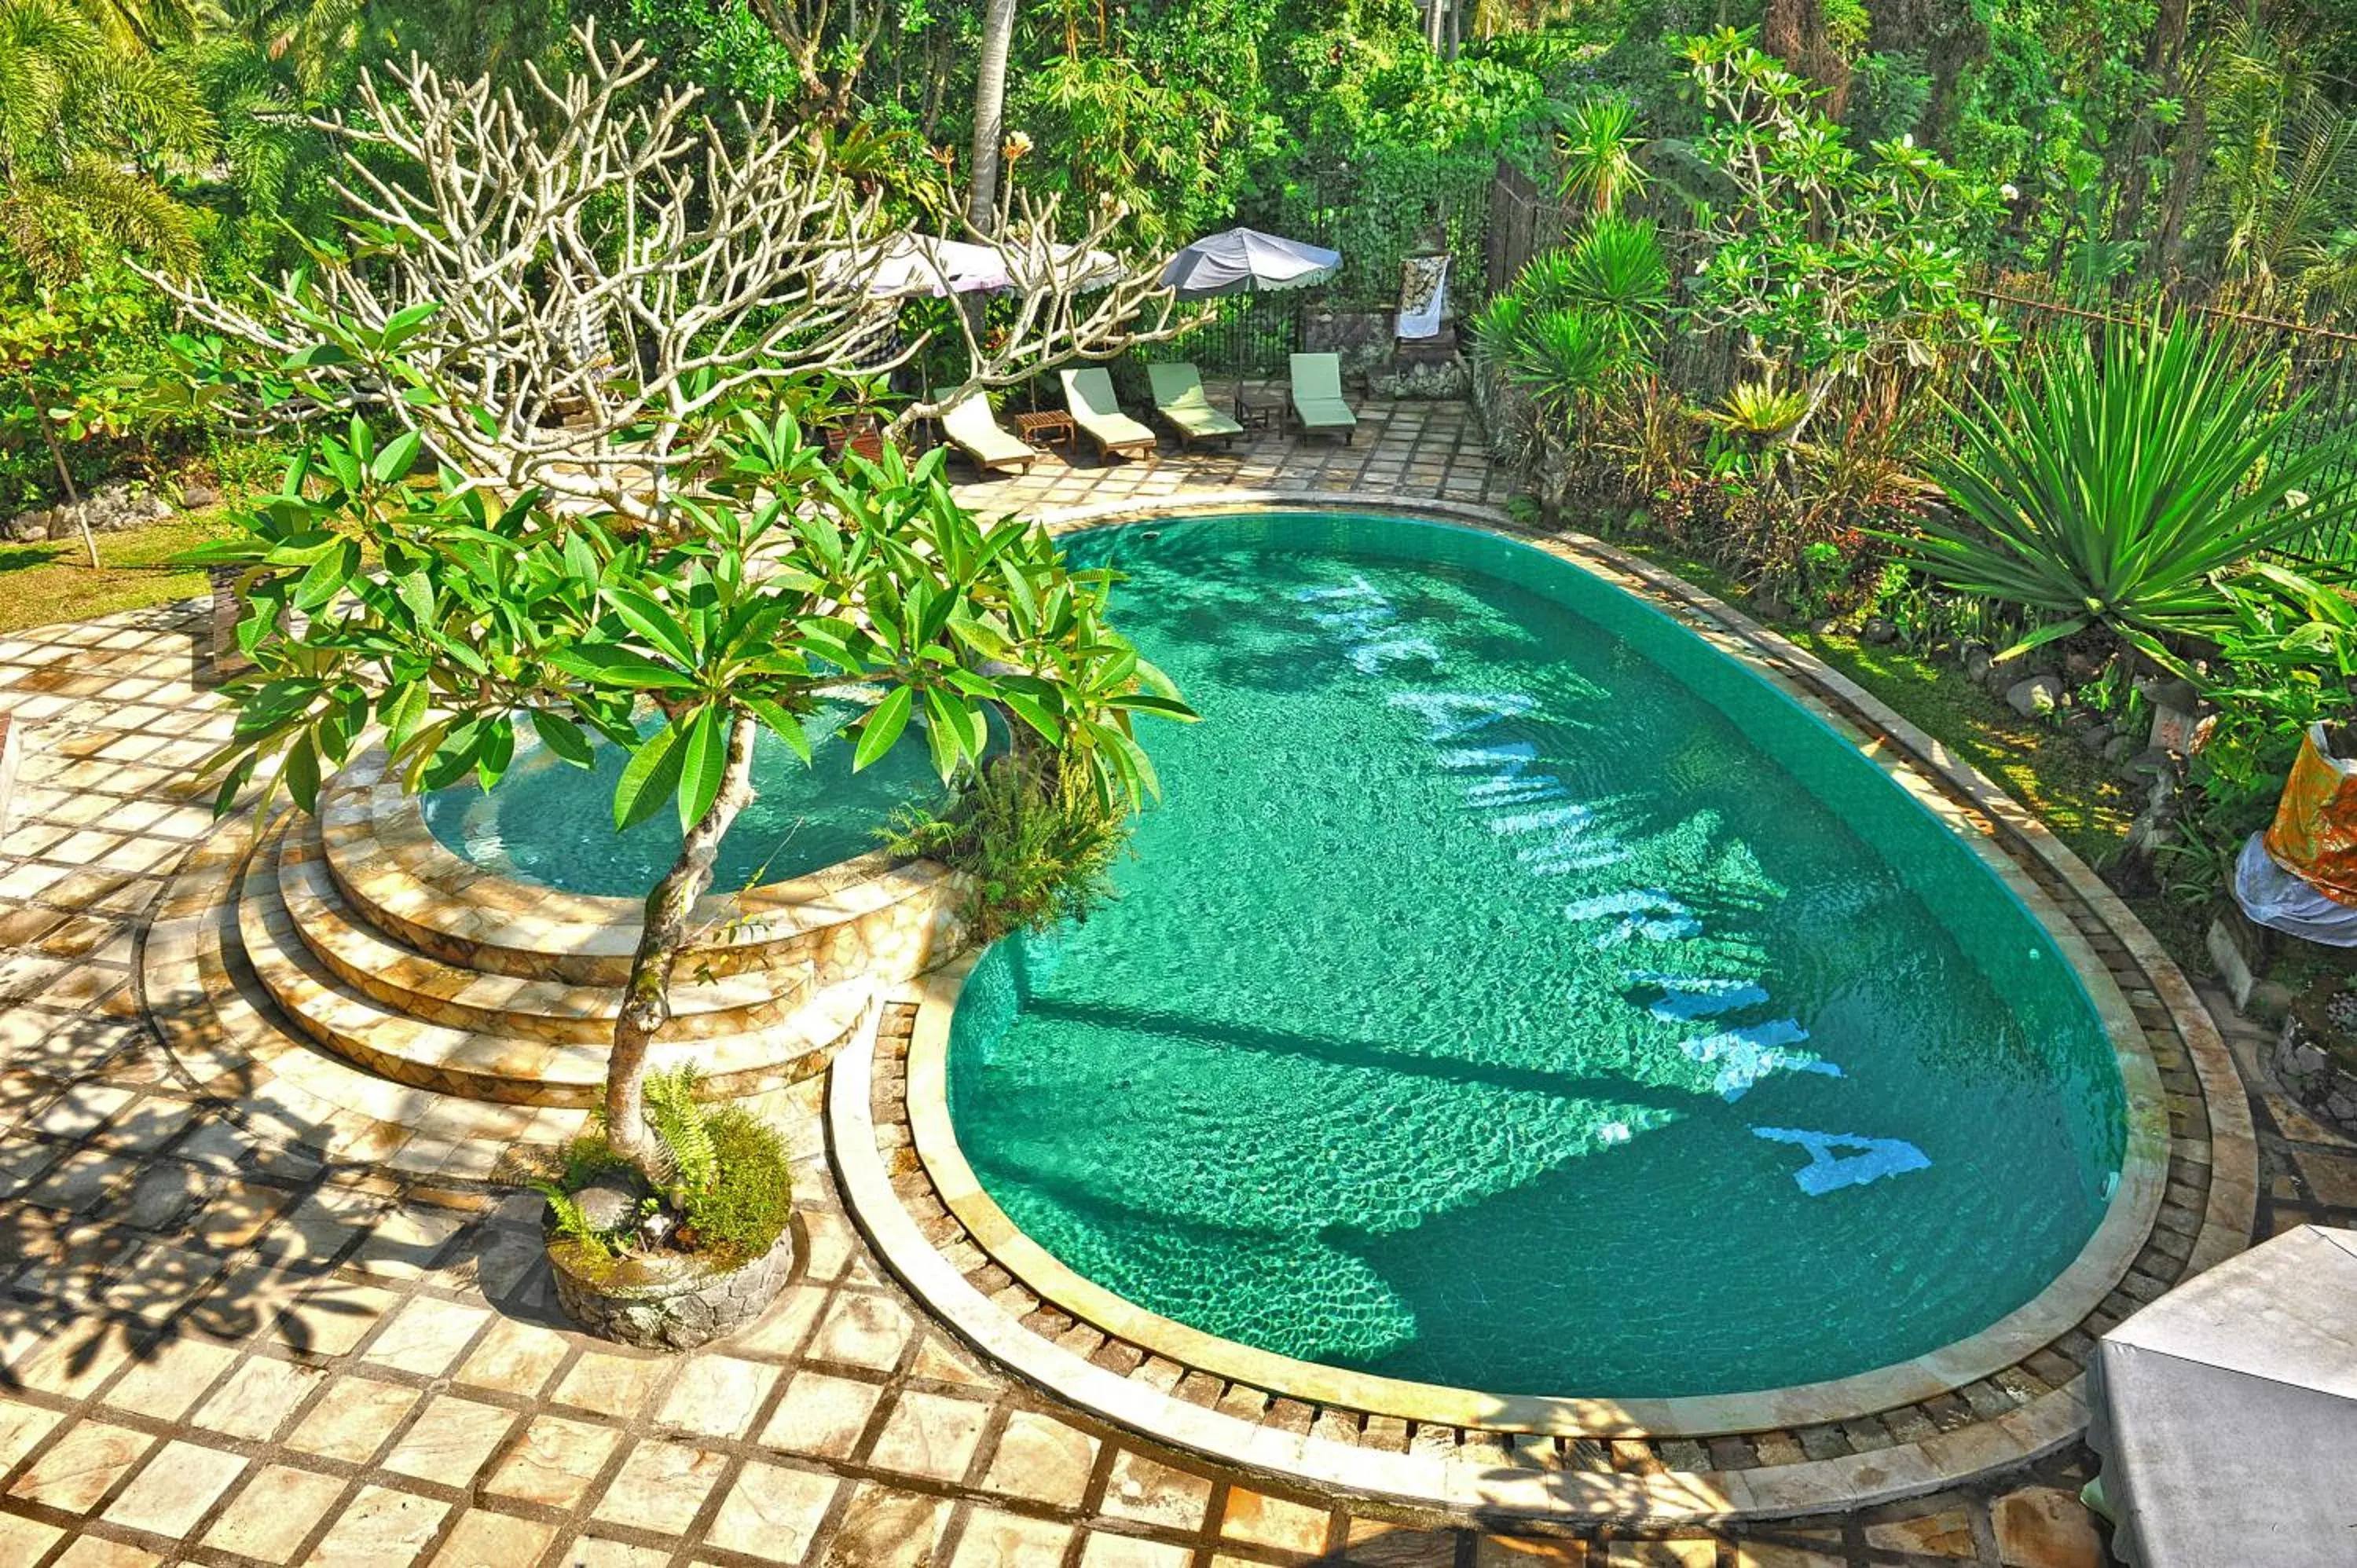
(2121, 485)
(1035, 843)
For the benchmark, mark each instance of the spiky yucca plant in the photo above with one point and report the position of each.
(2121, 485)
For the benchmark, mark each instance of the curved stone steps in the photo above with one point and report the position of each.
(866, 915)
(505, 1068)
(556, 1010)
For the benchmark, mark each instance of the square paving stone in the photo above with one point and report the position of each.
(484, 1539)
(514, 1357)
(1265, 1520)
(352, 1419)
(611, 1385)
(403, 1242)
(660, 1486)
(2042, 1527)
(258, 1397)
(276, 1513)
(820, 1415)
(1104, 1550)
(1153, 1493)
(21, 1426)
(598, 1552)
(382, 1529)
(1529, 1551)
(1782, 1555)
(172, 1378)
(1948, 1533)
(773, 1513)
(930, 1435)
(451, 1440)
(79, 1468)
(555, 1463)
(783, 1329)
(427, 1337)
(862, 1330)
(939, 1363)
(1379, 1543)
(1043, 1459)
(888, 1528)
(717, 1396)
(73, 1359)
(96, 1552)
(1659, 1555)
(995, 1539)
(23, 1540)
(176, 1487)
(330, 1318)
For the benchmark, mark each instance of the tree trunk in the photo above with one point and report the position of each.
(990, 114)
(65, 477)
(646, 1003)
(1794, 32)
(2163, 61)
(1455, 27)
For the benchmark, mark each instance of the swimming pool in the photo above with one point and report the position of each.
(552, 823)
(1513, 991)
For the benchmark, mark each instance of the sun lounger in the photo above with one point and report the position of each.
(971, 429)
(1317, 402)
(1088, 392)
(1179, 398)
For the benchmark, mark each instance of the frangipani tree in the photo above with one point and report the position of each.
(572, 293)
(449, 620)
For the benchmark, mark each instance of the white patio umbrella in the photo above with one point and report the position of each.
(1240, 261)
(921, 264)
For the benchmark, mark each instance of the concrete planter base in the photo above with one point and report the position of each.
(670, 1303)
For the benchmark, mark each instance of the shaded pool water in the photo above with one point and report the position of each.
(550, 822)
(1513, 991)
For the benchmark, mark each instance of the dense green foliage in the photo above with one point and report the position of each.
(2117, 486)
(1037, 846)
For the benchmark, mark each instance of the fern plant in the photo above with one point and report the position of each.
(683, 1127)
(566, 1216)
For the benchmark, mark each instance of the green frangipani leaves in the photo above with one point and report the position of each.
(439, 617)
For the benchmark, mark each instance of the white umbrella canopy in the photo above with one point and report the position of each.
(911, 264)
(1237, 261)
(2225, 1414)
(921, 264)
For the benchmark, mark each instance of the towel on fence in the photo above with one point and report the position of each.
(1424, 296)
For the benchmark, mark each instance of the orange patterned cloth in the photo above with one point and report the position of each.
(2315, 831)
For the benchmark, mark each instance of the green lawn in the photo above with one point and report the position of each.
(45, 582)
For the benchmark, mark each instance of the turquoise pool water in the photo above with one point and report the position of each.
(552, 823)
(1513, 991)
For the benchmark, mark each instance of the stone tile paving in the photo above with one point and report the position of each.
(217, 1348)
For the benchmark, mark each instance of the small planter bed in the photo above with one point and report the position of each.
(688, 1241)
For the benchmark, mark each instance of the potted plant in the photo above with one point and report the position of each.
(681, 1241)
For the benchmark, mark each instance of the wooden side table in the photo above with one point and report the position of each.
(1045, 428)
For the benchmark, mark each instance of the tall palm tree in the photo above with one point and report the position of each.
(86, 126)
(989, 113)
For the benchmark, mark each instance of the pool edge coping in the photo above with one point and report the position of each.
(2037, 1426)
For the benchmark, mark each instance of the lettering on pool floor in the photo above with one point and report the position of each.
(1559, 835)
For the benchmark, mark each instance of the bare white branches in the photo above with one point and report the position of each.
(572, 291)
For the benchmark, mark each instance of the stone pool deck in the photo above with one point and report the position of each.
(223, 1344)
